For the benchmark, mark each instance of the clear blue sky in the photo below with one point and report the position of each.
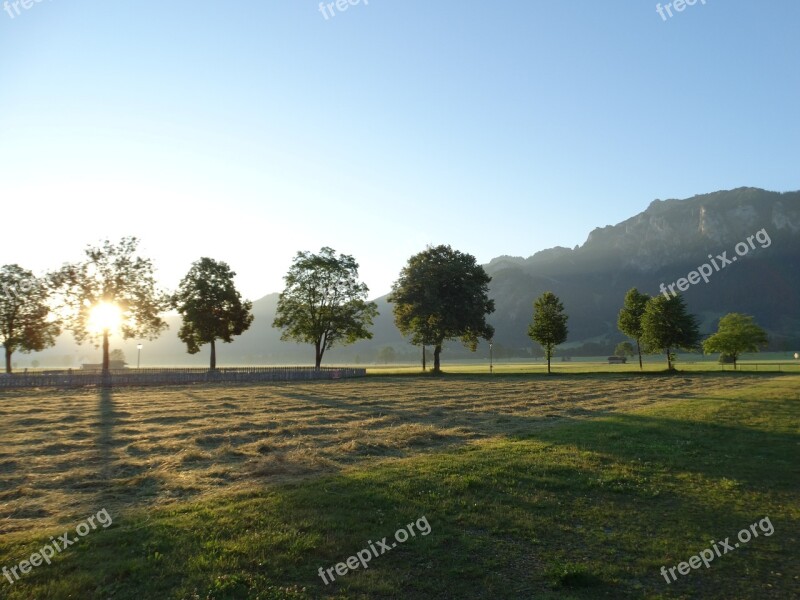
(246, 131)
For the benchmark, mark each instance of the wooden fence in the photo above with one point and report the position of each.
(136, 377)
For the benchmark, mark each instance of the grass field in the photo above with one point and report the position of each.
(574, 486)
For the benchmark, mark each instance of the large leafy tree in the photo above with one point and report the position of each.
(737, 333)
(442, 294)
(111, 289)
(211, 307)
(324, 303)
(667, 326)
(26, 323)
(549, 326)
(629, 321)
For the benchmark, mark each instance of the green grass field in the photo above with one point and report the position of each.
(576, 486)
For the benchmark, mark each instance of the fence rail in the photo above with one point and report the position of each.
(136, 377)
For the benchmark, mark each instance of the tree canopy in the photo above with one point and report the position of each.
(736, 333)
(629, 321)
(26, 323)
(323, 302)
(211, 307)
(624, 349)
(667, 326)
(112, 289)
(549, 326)
(442, 294)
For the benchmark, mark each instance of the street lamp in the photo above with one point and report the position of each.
(138, 355)
(491, 365)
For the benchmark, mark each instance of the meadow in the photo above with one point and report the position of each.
(571, 486)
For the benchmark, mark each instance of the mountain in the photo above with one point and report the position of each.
(666, 242)
(660, 245)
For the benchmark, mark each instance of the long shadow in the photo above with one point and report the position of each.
(693, 446)
(750, 456)
(105, 434)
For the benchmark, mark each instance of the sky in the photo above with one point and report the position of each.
(247, 131)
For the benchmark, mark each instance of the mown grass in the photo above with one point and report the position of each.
(569, 488)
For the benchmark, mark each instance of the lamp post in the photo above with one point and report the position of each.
(491, 365)
(138, 355)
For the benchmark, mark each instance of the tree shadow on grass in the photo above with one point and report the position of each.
(750, 456)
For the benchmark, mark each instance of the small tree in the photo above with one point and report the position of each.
(26, 323)
(324, 303)
(112, 289)
(624, 349)
(737, 333)
(549, 326)
(442, 294)
(629, 321)
(211, 307)
(387, 354)
(667, 326)
(117, 355)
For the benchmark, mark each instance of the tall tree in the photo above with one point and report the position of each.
(549, 326)
(630, 317)
(26, 323)
(667, 326)
(112, 290)
(442, 294)
(211, 307)
(737, 333)
(324, 303)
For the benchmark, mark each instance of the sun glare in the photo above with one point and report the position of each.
(105, 316)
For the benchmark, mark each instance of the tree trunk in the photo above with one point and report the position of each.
(669, 360)
(424, 366)
(319, 351)
(106, 363)
(734, 362)
(213, 364)
(437, 350)
(549, 354)
(8, 360)
(639, 349)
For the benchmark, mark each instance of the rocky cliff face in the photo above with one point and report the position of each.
(661, 245)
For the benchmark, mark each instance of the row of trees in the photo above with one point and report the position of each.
(657, 325)
(114, 289)
(662, 324)
(441, 294)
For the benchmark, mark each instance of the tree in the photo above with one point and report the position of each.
(112, 290)
(211, 307)
(629, 321)
(323, 302)
(26, 323)
(666, 326)
(387, 355)
(442, 294)
(623, 349)
(736, 333)
(549, 326)
(117, 355)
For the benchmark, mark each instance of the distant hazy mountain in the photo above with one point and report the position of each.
(660, 245)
